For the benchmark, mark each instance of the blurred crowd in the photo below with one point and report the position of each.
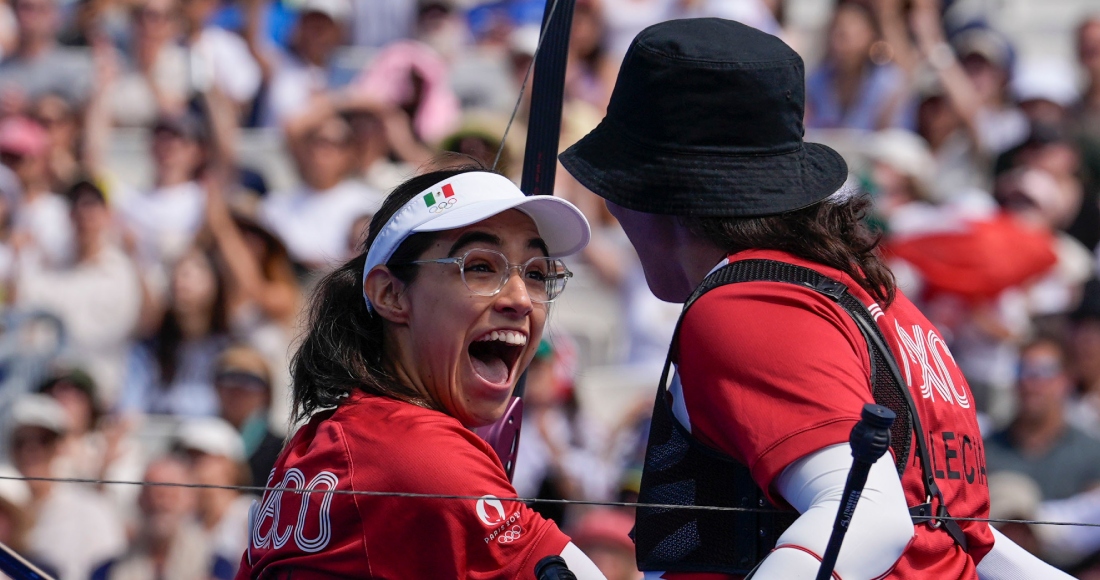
(147, 320)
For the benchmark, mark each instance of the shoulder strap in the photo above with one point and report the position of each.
(890, 391)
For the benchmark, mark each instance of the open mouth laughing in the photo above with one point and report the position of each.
(495, 355)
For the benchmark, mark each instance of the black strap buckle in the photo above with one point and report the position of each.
(832, 288)
(922, 514)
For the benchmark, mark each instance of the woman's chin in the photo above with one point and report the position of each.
(486, 412)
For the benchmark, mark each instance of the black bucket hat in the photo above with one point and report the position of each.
(706, 120)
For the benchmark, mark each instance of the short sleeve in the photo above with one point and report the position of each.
(476, 533)
(770, 373)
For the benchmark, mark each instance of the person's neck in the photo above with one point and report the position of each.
(159, 548)
(1036, 436)
(90, 248)
(1091, 97)
(323, 185)
(171, 178)
(696, 258)
(194, 325)
(34, 189)
(219, 504)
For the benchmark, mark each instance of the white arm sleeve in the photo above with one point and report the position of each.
(881, 527)
(579, 564)
(1008, 561)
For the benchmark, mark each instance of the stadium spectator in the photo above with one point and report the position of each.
(154, 78)
(856, 87)
(263, 297)
(1084, 352)
(243, 382)
(305, 70)
(39, 65)
(217, 57)
(412, 77)
(1039, 442)
(15, 519)
(169, 542)
(170, 373)
(314, 220)
(166, 217)
(61, 120)
(590, 74)
(96, 446)
(217, 460)
(41, 216)
(97, 297)
(1087, 110)
(74, 530)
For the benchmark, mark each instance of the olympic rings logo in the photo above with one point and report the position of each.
(444, 205)
(511, 535)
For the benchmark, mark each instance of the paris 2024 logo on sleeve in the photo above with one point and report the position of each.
(494, 514)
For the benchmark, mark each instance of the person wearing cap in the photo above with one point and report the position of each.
(165, 218)
(242, 380)
(974, 67)
(41, 216)
(294, 77)
(408, 347)
(216, 459)
(74, 529)
(701, 159)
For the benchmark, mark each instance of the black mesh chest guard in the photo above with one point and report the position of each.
(680, 470)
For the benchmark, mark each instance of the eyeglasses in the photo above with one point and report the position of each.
(485, 272)
(1040, 370)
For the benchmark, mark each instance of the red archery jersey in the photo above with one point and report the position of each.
(376, 444)
(771, 372)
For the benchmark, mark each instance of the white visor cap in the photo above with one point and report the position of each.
(468, 198)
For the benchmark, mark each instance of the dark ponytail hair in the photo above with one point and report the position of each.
(829, 233)
(341, 350)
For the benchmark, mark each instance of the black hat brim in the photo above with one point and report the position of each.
(657, 181)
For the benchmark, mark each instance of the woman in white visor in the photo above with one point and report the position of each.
(408, 347)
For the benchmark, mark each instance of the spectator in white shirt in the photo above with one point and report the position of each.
(216, 455)
(219, 57)
(165, 218)
(297, 76)
(41, 215)
(74, 529)
(98, 298)
(314, 221)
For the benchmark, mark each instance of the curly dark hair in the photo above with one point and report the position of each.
(830, 233)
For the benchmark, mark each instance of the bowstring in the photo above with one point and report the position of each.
(523, 86)
(527, 500)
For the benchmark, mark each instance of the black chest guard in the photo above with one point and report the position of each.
(679, 470)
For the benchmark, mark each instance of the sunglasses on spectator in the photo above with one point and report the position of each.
(1038, 371)
(240, 380)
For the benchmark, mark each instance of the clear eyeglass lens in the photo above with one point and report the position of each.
(485, 272)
